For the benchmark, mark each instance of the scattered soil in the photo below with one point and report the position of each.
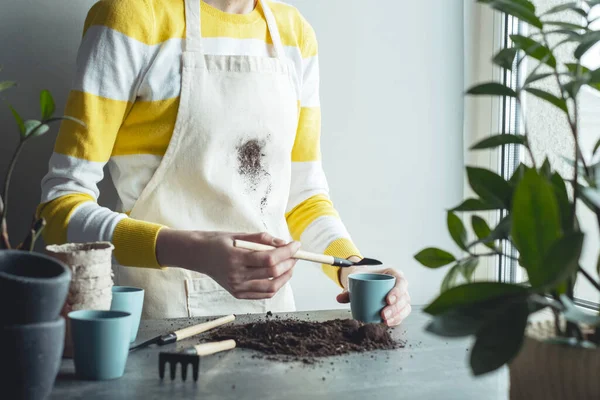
(296, 340)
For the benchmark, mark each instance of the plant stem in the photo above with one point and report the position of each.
(9, 173)
(590, 278)
(576, 173)
(572, 124)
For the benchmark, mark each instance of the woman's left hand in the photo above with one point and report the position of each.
(398, 299)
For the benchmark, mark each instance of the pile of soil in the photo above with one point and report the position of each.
(290, 339)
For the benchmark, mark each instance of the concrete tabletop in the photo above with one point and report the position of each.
(427, 368)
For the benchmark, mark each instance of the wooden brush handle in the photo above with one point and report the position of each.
(196, 329)
(206, 349)
(300, 255)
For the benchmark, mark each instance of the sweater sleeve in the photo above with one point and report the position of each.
(110, 63)
(311, 216)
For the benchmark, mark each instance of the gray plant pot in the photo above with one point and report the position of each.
(30, 360)
(33, 287)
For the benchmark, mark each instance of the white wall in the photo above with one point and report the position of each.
(392, 81)
(391, 97)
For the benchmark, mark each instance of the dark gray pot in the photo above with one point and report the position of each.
(30, 360)
(33, 287)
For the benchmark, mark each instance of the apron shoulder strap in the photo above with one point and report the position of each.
(273, 29)
(193, 26)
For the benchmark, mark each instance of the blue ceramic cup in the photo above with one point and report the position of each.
(100, 343)
(131, 300)
(367, 295)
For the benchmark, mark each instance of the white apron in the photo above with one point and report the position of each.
(227, 168)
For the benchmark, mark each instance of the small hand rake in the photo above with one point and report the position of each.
(190, 356)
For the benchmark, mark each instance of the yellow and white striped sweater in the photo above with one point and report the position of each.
(126, 90)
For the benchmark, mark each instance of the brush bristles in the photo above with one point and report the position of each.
(178, 358)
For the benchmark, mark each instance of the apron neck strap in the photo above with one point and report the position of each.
(193, 27)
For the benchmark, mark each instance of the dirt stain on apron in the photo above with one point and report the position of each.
(250, 155)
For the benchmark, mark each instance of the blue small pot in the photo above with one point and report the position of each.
(100, 343)
(368, 294)
(33, 287)
(131, 300)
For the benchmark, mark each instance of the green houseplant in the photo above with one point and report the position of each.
(537, 208)
(28, 129)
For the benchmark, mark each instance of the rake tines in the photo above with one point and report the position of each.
(190, 356)
(178, 358)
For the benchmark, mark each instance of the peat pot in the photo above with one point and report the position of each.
(91, 284)
(554, 372)
(31, 356)
(33, 287)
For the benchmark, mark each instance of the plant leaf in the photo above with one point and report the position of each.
(482, 230)
(550, 98)
(491, 187)
(591, 195)
(536, 77)
(473, 293)
(518, 174)
(560, 8)
(449, 280)
(457, 230)
(500, 232)
(588, 41)
(562, 260)
(67, 118)
(598, 266)
(34, 128)
(474, 205)
(564, 205)
(6, 85)
(18, 119)
(576, 314)
(457, 322)
(565, 25)
(434, 258)
(499, 339)
(535, 222)
(492, 89)
(534, 49)
(546, 169)
(499, 140)
(46, 104)
(505, 58)
(467, 267)
(521, 9)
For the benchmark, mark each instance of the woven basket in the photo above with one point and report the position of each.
(545, 371)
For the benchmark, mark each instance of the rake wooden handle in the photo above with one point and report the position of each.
(196, 329)
(206, 349)
(300, 255)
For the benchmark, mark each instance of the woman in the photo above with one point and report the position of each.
(208, 117)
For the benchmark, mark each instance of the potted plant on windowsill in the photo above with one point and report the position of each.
(538, 209)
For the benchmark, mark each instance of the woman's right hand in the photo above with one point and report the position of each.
(245, 274)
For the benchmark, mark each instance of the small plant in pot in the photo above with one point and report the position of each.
(33, 288)
(538, 218)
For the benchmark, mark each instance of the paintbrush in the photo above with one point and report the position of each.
(307, 256)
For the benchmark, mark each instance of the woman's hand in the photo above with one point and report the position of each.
(245, 274)
(398, 299)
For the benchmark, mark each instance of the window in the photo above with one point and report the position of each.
(549, 137)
